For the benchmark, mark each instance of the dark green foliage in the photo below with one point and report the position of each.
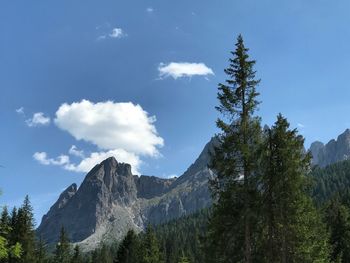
(63, 248)
(129, 249)
(337, 218)
(236, 188)
(331, 181)
(40, 252)
(183, 237)
(293, 229)
(77, 256)
(26, 231)
(150, 252)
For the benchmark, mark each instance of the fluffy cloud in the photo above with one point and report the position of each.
(38, 119)
(183, 69)
(123, 130)
(111, 126)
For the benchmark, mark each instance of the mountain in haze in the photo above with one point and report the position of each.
(111, 200)
(332, 152)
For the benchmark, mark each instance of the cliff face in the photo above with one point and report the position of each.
(332, 152)
(111, 200)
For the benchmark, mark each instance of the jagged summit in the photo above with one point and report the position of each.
(111, 200)
(334, 151)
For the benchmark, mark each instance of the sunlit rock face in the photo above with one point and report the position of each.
(332, 152)
(111, 200)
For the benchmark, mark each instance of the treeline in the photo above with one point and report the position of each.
(177, 241)
(331, 181)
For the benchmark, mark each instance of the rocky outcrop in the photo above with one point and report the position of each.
(334, 151)
(111, 200)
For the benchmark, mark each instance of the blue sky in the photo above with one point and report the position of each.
(133, 52)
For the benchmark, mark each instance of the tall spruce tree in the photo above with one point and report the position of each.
(63, 248)
(232, 228)
(294, 231)
(23, 232)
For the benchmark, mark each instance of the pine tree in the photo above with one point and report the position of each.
(150, 248)
(337, 217)
(294, 231)
(63, 249)
(22, 234)
(235, 162)
(128, 250)
(40, 251)
(9, 251)
(27, 231)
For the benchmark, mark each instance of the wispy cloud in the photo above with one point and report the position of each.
(300, 125)
(117, 33)
(150, 9)
(20, 110)
(183, 69)
(42, 158)
(76, 152)
(114, 33)
(38, 119)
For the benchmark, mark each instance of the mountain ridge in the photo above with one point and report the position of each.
(111, 200)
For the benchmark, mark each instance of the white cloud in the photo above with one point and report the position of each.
(122, 130)
(20, 110)
(111, 125)
(150, 9)
(183, 69)
(74, 151)
(114, 33)
(117, 33)
(86, 164)
(38, 119)
(300, 125)
(120, 155)
(42, 158)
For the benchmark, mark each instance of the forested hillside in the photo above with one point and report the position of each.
(332, 180)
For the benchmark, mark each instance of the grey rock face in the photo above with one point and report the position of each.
(111, 200)
(334, 151)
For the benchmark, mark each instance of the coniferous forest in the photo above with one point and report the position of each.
(269, 203)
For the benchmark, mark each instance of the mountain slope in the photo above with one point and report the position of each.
(111, 200)
(332, 152)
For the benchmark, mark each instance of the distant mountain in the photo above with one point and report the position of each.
(111, 200)
(332, 152)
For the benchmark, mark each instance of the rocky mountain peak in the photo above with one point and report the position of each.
(334, 151)
(111, 200)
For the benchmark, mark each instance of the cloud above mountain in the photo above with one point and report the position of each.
(120, 129)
